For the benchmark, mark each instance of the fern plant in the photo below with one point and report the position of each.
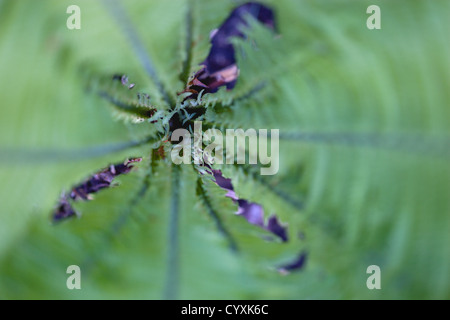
(364, 134)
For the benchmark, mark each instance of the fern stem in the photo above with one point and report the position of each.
(117, 225)
(118, 12)
(123, 218)
(184, 75)
(21, 156)
(142, 112)
(172, 280)
(219, 224)
(280, 193)
(417, 144)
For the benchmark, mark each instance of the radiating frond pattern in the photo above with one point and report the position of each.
(364, 150)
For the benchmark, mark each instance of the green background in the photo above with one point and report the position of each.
(368, 111)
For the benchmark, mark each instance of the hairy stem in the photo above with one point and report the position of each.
(119, 14)
(201, 192)
(172, 280)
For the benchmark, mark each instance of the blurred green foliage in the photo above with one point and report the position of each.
(367, 112)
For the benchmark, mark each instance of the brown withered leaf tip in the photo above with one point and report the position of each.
(295, 265)
(63, 210)
(84, 191)
(251, 211)
(124, 80)
(220, 67)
